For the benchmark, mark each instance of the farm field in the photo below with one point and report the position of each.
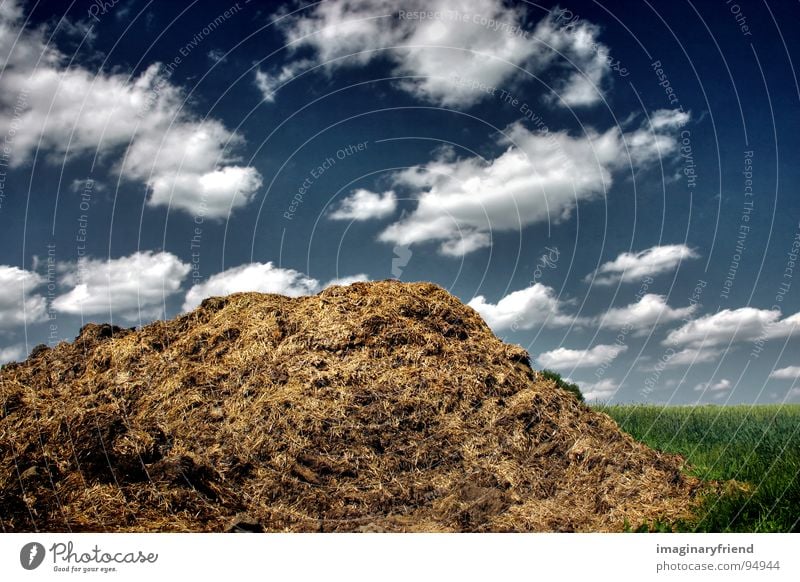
(757, 446)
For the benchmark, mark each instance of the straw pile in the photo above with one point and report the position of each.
(375, 407)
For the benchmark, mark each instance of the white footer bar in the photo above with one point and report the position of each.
(373, 557)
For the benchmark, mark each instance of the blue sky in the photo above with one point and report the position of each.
(612, 185)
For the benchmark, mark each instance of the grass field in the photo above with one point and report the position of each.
(755, 445)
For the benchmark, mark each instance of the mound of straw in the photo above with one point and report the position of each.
(380, 406)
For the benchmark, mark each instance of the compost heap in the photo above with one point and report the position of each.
(380, 406)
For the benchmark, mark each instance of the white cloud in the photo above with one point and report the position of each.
(649, 311)
(216, 56)
(269, 83)
(452, 59)
(466, 243)
(257, 277)
(692, 356)
(579, 43)
(87, 185)
(344, 281)
(185, 161)
(133, 286)
(721, 386)
(668, 119)
(484, 42)
(12, 354)
(788, 373)
(631, 267)
(18, 304)
(524, 309)
(363, 205)
(737, 325)
(23, 52)
(538, 305)
(540, 177)
(261, 278)
(601, 391)
(563, 358)
(211, 194)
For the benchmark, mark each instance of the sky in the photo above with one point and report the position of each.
(612, 185)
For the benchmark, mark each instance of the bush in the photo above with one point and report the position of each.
(563, 384)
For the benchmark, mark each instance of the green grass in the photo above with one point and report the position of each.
(756, 445)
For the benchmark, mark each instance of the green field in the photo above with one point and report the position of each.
(758, 446)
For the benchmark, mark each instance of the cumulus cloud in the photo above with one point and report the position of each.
(12, 354)
(261, 278)
(344, 281)
(734, 325)
(134, 286)
(590, 58)
(19, 305)
(541, 176)
(692, 356)
(186, 162)
(258, 277)
(362, 204)
(631, 267)
(538, 305)
(563, 358)
(209, 186)
(650, 311)
(721, 386)
(466, 243)
(269, 83)
(788, 373)
(484, 42)
(524, 309)
(601, 391)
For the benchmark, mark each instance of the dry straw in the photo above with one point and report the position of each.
(379, 406)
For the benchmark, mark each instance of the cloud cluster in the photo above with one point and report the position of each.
(187, 163)
(19, 305)
(538, 305)
(262, 278)
(137, 286)
(486, 42)
(539, 177)
(600, 391)
(734, 325)
(133, 287)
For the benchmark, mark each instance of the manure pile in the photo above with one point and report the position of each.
(380, 406)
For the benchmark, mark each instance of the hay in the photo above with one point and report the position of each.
(375, 407)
